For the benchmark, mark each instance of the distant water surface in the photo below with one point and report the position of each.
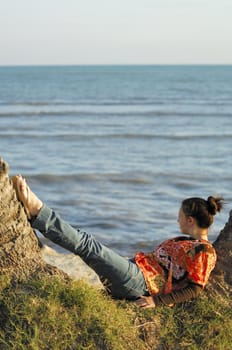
(114, 149)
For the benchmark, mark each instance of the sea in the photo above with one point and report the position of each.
(115, 149)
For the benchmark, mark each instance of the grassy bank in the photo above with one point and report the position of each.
(50, 314)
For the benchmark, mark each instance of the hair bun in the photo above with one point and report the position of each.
(215, 204)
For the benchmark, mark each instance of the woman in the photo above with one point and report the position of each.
(176, 271)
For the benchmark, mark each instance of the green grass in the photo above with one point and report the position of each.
(204, 324)
(47, 313)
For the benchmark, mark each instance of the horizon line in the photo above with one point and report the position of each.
(111, 64)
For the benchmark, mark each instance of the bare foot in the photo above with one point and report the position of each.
(4, 167)
(29, 199)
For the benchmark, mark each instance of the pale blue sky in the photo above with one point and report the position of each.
(115, 32)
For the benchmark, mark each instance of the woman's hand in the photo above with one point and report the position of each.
(145, 302)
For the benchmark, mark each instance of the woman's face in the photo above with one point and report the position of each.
(183, 222)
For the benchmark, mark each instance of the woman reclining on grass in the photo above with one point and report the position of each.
(175, 271)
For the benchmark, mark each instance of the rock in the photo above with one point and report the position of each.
(72, 264)
(220, 282)
(20, 249)
(223, 246)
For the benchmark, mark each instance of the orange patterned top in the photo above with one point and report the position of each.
(175, 263)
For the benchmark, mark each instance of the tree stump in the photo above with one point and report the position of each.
(20, 249)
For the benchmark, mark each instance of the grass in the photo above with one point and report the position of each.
(203, 324)
(50, 314)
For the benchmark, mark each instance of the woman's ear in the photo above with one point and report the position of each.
(191, 221)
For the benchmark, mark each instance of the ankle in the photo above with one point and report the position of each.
(35, 209)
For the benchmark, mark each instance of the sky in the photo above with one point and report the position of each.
(46, 32)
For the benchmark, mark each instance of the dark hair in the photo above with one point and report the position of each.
(202, 210)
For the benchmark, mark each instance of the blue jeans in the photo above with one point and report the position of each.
(124, 278)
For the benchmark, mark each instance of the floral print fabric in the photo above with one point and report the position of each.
(175, 263)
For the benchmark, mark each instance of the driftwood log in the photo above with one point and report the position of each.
(20, 249)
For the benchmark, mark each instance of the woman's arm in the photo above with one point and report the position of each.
(179, 296)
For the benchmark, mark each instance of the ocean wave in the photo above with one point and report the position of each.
(217, 135)
(133, 113)
(94, 177)
(168, 99)
(147, 178)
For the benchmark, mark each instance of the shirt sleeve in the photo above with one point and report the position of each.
(200, 262)
(179, 296)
